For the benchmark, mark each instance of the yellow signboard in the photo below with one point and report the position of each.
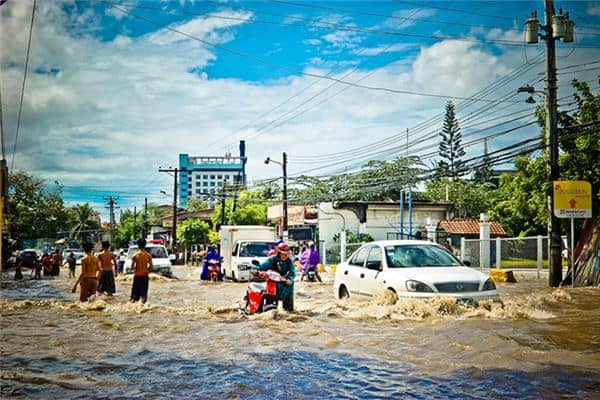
(572, 199)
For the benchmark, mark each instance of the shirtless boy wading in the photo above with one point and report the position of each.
(90, 272)
(141, 263)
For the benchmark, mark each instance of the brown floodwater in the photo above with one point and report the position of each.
(189, 341)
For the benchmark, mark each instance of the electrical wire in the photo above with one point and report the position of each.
(12, 163)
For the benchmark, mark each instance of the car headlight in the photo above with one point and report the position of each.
(416, 286)
(488, 285)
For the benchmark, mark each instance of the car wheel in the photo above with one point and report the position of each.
(391, 295)
(343, 293)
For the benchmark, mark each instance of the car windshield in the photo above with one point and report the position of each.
(155, 251)
(256, 249)
(411, 256)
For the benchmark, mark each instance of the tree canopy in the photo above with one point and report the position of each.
(34, 210)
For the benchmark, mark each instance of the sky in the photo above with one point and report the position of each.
(115, 90)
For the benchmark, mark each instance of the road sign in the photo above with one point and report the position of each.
(572, 199)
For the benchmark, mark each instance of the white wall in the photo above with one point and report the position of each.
(381, 220)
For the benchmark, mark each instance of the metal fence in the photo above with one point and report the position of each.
(531, 251)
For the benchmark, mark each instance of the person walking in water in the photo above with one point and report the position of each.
(57, 261)
(121, 262)
(141, 264)
(72, 261)
(106, 284)
(90, 272)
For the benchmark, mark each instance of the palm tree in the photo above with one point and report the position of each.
(82, 218)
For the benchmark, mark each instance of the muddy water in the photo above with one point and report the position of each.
(190, 342)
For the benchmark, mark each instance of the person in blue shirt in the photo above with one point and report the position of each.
(212, 254)
(282, 263)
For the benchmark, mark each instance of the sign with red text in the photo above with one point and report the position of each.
(572, 199)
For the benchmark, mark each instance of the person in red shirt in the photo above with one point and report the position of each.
(141, 263)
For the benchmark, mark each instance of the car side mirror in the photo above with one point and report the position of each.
(255, 262)
(467, 263)
(374, 266)
(172, 257)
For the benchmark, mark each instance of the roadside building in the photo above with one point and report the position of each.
(204, 177)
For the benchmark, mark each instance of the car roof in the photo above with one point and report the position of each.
(403, 242)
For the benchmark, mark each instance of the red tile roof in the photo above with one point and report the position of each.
(470, 227)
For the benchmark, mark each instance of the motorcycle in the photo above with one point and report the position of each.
(311, 276)
(261, 297)
(214, 270)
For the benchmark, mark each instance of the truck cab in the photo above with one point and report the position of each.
(240, 245)
(244, 251)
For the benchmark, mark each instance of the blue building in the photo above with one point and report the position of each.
(204, 176)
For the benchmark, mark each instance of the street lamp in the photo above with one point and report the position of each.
(285, 211)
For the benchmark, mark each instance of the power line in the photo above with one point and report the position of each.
(291, 70)
(12, 163)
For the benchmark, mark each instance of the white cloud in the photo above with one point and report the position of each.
(312, 42)
(116, 13)
(117, 109)
(406, 18)
(383, 49)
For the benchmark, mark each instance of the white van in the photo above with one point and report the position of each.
(161, 260)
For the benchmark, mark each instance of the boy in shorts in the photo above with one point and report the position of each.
(90, 272)
(141, 264)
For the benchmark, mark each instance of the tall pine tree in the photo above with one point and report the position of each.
(450, 149)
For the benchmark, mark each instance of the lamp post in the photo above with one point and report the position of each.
(285, 211)
(557, 26)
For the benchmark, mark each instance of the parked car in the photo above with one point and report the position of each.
(160, 259)
(410, 269)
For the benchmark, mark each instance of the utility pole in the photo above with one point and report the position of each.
(134, 221)
(145, 226)
(111, 207)
(556, 27)
(285, 199)
(406, 142)
(174, 230)
(223, 195)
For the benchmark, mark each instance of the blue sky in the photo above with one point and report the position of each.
(117, 89)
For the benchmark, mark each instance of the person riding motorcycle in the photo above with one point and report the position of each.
(283, 264)
(212, 254)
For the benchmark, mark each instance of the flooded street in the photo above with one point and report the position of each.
(190, 342)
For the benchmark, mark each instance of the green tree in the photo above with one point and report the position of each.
(522, 205)
(450, 147)
(196, 204)
(81, 216)
(33, 209)
(193, 231)
(250, 209)
(469, 198)
(378, 180)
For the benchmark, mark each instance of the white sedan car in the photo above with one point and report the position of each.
(160, 259)
(410, 269)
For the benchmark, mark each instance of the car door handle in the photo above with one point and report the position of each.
(362, 275)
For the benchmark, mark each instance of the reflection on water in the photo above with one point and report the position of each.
(190, 342)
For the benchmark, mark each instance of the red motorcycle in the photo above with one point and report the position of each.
(214, 269)
(261, 297)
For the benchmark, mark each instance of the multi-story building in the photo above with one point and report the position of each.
(204, 176)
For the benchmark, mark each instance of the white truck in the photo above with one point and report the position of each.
(243, 243)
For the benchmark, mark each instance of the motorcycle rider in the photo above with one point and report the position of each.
(212, 254)
(309, 259)
(283, 264)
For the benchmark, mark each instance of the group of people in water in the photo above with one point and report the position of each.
(98, 272)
